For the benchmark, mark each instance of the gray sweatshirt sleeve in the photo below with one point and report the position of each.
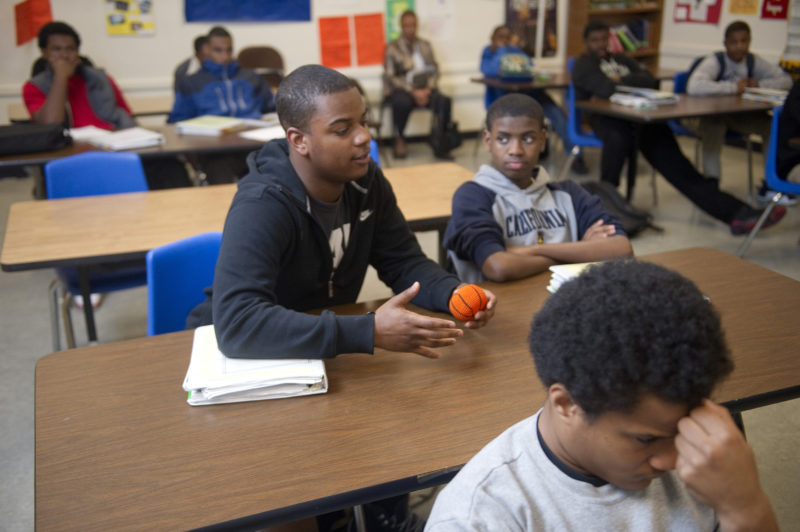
(702, 81)
(770, 76)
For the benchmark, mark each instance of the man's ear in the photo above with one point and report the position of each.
(564, 405)
(487, 137)
(298, 141)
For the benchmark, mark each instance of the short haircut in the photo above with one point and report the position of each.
(219, 31)
(297, 94)
(514, 104)
(736, 25)
(57, 28)
(407, 13)
(499, 28)
(199, 42)
(626, 328)
(594, 26)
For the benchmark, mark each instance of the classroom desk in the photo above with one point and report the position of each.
(140, 106)
(117, 447)
(87, 231)
(687, 107)
(556, 80)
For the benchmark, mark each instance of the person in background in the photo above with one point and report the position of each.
(490, 67)
(512, 221)
(732, 72)
(194, 63)
(221, 88)
(596, 74)
(627, 438)
(411, 75)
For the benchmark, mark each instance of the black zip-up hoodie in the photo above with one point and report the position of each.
(275, 263)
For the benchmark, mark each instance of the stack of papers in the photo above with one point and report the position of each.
(264, 134)
(759, 94)
(564, 272)
(655, 96)
(209, 125)
(124, 139)
(213, 378)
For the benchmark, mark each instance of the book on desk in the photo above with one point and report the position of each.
(125, 139)
(213, 378)
(209, 125)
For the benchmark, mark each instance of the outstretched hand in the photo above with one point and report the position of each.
(399, 329)
(718, 465)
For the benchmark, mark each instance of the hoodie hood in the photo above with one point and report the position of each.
(494, 180)
(221, 71)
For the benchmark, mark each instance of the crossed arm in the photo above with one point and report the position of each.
(599, 242)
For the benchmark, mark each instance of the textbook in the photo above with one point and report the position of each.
(760, 94)
(264, 134)
(562, 273)
(213, 378)
(656, 96)
(126, 139)
(209, 125)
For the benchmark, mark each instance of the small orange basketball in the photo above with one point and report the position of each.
(466, 301)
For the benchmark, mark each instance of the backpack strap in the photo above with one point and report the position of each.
(751, 61)
(721, 61)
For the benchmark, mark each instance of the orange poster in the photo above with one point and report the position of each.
(369, 39)
(334, 42)
(29, 17)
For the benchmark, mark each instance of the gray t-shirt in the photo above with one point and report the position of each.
(511, 485)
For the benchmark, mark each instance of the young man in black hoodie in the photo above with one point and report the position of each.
(596, 74)
(312, 213)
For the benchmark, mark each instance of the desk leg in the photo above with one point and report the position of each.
(88, 310)
(632, 163)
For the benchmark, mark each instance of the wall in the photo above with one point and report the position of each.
(143, 65)
(681, 43)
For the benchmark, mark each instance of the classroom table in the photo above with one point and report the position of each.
(118, 447)
(140, 106)
(87, 231)
(547, 80)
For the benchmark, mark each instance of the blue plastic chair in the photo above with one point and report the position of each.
(177, 273)
(90, 174)
(374, 152)
(774, 181)
(575, 132)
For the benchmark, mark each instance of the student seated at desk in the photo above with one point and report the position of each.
(68, 90)
(306, 221)
(596, 74)
(512, 221)
(221, 87)
(192, 64)
(731, 72)
(491, 60)
(626, 439)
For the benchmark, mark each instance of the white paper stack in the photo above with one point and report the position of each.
(209, 125)
(264, 134)
(760, 94)
(564, 272)
(126, 139)
(83, 134)
(213, 378)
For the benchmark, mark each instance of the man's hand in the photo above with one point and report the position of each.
(421, 97)
(483, 316)
(718, 465)
(64, 68)
(398, 329)
(599, 230)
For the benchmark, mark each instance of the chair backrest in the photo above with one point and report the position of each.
(177, 273)
(575, 131)
(774, 182)
(679, 82)
(265, 60)
(94, 173)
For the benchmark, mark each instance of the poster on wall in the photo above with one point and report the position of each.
(395, 8)
(337, 50)
(437, 19)
(130, 18)
(29, 17)
(247, 10)
(522, 16)
(744, 7)
(775, 9)
(698, 11)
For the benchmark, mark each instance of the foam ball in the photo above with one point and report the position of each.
(466, 301)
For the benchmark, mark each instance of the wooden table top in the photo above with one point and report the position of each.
(117, 227)
(688, 106)
(140, 106)
(175, 144)
(118, 447)
(555, 80)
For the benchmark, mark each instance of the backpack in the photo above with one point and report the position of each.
(515, 66)
(749, 59)
(633, 220)
(29, 138)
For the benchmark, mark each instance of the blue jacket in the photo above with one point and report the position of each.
(223, 90)
(490, 67)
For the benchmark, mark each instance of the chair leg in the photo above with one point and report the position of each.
(761, 219)
(53, 293)
(653, 186)
(358, 516)
(568, 163)
(69, 331)
(750, 196)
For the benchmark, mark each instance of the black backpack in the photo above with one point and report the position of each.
(29, 138)
(633, 220)
(750, 60)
